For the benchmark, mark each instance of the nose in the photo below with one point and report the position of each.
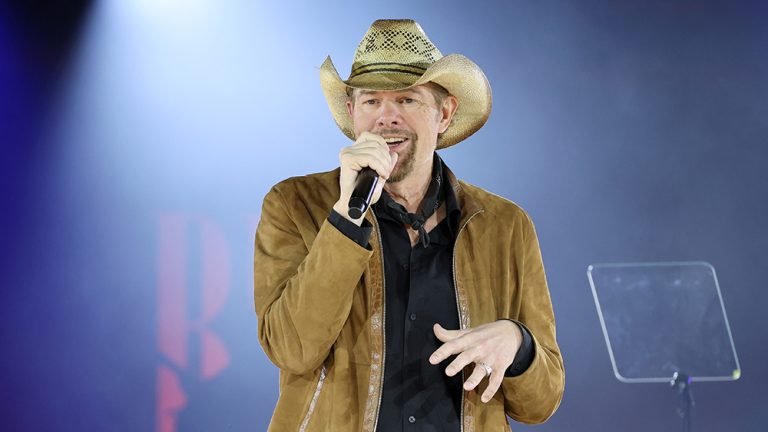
(389, 114)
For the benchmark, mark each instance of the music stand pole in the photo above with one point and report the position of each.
(682, 383)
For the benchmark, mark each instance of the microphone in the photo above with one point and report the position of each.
(365, 184)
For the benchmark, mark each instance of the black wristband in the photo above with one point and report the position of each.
(358, 234)
(524, 356)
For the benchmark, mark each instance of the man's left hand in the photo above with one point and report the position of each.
(494, 344)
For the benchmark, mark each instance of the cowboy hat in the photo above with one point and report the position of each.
(397, 54)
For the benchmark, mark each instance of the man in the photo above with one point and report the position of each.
(431, 312)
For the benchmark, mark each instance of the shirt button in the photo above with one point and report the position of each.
(411, 419)
(413, 317)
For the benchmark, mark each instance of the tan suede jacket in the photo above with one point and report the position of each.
(319, 301)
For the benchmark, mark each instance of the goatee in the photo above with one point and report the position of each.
(405, 160)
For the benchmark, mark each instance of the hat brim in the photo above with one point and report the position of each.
(456, 73)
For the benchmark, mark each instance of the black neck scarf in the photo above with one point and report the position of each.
(428, 206)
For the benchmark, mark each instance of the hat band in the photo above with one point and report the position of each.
(387, 67)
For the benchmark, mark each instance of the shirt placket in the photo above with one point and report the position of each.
(411, 420)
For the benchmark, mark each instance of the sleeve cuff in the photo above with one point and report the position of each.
(524, 356)
(358, 234)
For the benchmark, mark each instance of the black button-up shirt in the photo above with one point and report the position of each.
(418, 396)
(419, 292)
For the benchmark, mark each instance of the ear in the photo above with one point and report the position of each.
(450, 104)
(350, 108)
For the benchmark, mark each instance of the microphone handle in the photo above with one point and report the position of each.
(365, 184)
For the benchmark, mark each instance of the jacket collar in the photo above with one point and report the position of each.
(467, 203)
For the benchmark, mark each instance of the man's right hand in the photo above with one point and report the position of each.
(369, 150)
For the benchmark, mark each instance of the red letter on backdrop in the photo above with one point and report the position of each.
(174, 323)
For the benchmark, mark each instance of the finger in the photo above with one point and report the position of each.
(368, 139)
(446, 335)
(377, 191)
(368, 144)
(373, 148)
(369, 136)
(453, 344)
(446, 350)
(460, 361)
(380, 185)
(393, 158)
(494, 382)
(474, 379)
(356, 162)
(367, 150)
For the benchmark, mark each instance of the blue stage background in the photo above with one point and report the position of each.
(135, 155)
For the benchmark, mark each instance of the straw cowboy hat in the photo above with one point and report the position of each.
(397, 54)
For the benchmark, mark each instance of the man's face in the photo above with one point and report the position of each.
(409, 120)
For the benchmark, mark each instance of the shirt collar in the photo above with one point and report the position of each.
(452, 209)
(447, 198)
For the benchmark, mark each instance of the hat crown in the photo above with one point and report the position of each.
(400, 42)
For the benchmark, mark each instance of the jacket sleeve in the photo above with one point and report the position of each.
(304, 280)
(534, 396)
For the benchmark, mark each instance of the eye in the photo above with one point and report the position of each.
(408, 101)
(369, 101)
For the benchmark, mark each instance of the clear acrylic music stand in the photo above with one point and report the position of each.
(664, 322)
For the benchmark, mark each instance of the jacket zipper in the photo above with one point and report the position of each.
(383, 318)
(458, 307)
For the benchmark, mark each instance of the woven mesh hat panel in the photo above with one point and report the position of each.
(395, 41)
